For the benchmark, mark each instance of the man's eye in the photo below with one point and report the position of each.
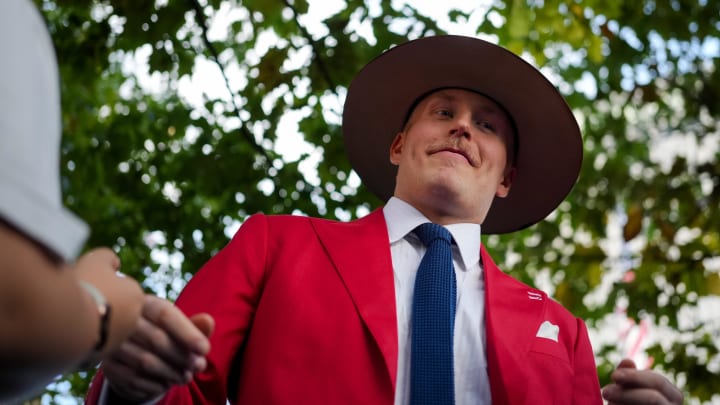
(444, 113)
(485, 125)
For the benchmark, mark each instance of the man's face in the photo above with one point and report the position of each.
(452, 156)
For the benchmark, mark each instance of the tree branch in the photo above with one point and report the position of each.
(320, 63)
(202, 22)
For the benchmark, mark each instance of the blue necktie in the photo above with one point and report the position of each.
(432, 379)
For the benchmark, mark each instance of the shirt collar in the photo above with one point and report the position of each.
(402, 218)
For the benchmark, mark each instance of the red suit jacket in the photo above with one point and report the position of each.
(305, 313)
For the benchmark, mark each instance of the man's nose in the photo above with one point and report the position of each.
(461, 127)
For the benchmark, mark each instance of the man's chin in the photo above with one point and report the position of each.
(446, 193)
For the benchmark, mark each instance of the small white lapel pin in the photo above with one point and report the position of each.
(548, 331)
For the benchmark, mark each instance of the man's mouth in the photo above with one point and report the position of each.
(458, 152)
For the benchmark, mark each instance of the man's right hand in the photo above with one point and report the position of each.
(166, 349)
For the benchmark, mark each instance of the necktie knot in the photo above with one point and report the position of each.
(429, 232)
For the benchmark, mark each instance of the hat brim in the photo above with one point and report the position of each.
(550, 145)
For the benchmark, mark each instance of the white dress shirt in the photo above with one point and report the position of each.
(471, 378)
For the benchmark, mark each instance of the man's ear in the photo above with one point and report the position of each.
(503, 188)
(396, 148)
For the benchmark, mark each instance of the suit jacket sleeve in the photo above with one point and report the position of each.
(586, 386)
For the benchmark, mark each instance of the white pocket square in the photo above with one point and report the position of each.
(548, 331)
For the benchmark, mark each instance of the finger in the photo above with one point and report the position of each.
(627, 363)
(103, 255)
(636, 396)
(612, 393)
(647, 380)
(169, 318)
(204, 322)
(155, 340)
(148, 365)
(130, 385)
(623, 370)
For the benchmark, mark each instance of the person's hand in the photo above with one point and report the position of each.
(166, 349)
(99, 267)
(633, 386)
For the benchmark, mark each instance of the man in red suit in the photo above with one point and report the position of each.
(449, 130)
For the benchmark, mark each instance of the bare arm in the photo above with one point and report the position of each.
(49, 323)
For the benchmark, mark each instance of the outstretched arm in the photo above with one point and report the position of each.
(49, 322)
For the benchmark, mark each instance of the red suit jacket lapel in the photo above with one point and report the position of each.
(359, 251)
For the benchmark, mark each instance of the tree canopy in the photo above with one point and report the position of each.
(178, 116)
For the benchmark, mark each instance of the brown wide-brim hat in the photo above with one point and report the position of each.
(549, 141)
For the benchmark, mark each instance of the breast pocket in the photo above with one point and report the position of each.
(550, 347)
(550, 374)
